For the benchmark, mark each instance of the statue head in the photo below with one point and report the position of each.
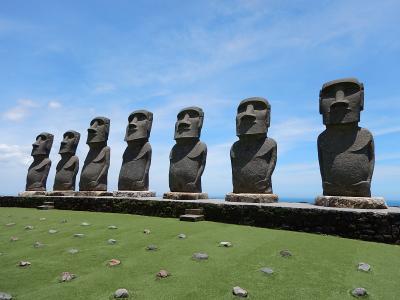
(189, 123)
(139, 125)
(98, 130)
(341, 101)
(42, 145)
(253, 117)
(70, 142)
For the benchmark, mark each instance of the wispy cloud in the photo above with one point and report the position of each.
(54, 104)
(20, 111)
(14, 154)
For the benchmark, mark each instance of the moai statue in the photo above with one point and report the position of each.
(134, 175)
(95, 168)
(253, 156)
(187, 157)
(40, 167)
(68, 166)
(345, 150)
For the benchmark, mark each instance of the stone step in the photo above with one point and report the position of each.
(194, 211)
(48, 203)
(45, 207)
(191, 218)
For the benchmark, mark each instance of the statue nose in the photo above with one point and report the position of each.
(35, 145)
(92, 130)
(184, 124)
(340, 104)
(132, 125)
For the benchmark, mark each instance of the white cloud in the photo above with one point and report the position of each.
(54, 104)
(103, 88)
(14, 154)
(20, 111)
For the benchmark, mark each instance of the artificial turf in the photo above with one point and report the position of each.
(321, 267)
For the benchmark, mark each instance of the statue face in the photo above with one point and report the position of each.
(70, 142)
(98, 131)
(42, 145)
(189, 123)
(139, 125)
(253, 116)
(341, 101)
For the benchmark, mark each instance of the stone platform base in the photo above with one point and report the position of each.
(93, 194)
(133, 194)
(251, 198)
(185, 196)
(61, 193)
(351, 202)
(32, 193)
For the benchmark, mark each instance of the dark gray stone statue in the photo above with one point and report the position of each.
(187, 157)
(95, 169)
(68, 166)
(345, 150)
(134, 175)
(40, 167)
(254, 155)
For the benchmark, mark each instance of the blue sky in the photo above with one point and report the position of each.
(64, 62)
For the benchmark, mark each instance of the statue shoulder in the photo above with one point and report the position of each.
(104, 154)
(43, 164)
(234, 149)
(70, 164)
(145, 149)
(268, 145)
(199, 149)
(364, 137)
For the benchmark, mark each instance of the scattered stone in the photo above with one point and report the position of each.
(238, 291)
(42, 219)
(85, 224)
(52, 231)
(112, 227)
(113, 262)
(5, 296)
(200, 256)
(24, 263)
(121, 293)
(267, 271)
(359, 292)
(285, 253)
(14, 239)
(63, 221)
(38, 245)
(182, 236)
(73, 251)
(364, 267)
(10, 224)
(225, 244)
(146, 231)
(79, 235)
(67, 276)
(112, 242)
(151, 247)
(29, 227)
(163, 274)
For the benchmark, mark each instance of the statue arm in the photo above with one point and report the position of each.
(148, 163)
(104, 170)
(321, 161)
(371, 154)
(46, 173)
(272, 162)
(202, 164)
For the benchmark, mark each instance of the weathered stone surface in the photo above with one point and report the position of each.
(95, 168)
(68, 166)
(163, 274)
(114, 262)
(134, 194)
(67, 276)
(146, 231)
(188, 155)
(61, 193)
(28, 227)
(267, 271)
(24, 264)
(85, 224)
(112, 227)
(351, 202)
(364, 267)
(52, 231)
(285, 253)
(251, 198)
(182, 236)
(32, 194)
(151, 248)
(40, 167)
(185, 196)
(93, 194)
(345, 150)
(238, 291)
(359, 292)
(254, 155)
(136, 160)
(225, 244)
(38, 245)
(112, 242)
(79, 235)
(200, 256)
(5, 296)
(121, 293)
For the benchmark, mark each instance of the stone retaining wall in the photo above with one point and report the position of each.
(381, 225)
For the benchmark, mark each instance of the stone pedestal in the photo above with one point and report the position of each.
(134, 194)
(61, 193)
(351, 202)
(185, 196)
(93, 194)
(32, 193)
(251, 198)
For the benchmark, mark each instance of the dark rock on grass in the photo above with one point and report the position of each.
(24, 264)
(5, 296)
(267, 271)
(79, 235)
(364, 267)
(182, 236)
(163, 274)
(67, 276)
(121, 293)
(359, 292)
(200, 256)
(112, 242)
(225, 244)
(28, 227)
(151, 247)
(112, 227)
(238, 291)
(285, 253)
(38, 245)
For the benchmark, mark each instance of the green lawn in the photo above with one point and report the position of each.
(322, 267)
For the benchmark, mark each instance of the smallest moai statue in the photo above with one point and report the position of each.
(254, 155)
(40, 167)
(187, 157)
(133, 178)
(67, 168)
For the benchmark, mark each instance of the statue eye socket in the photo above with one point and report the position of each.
(241, 109)
(41, 138)
(259, 106)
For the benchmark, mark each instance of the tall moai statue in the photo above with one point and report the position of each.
(187, 157)
(95, 168)
(40, 167)
(134, 175)
(68, 166)
(254, 155)
(345, 150)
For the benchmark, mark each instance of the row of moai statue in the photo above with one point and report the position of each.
(345, 152)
